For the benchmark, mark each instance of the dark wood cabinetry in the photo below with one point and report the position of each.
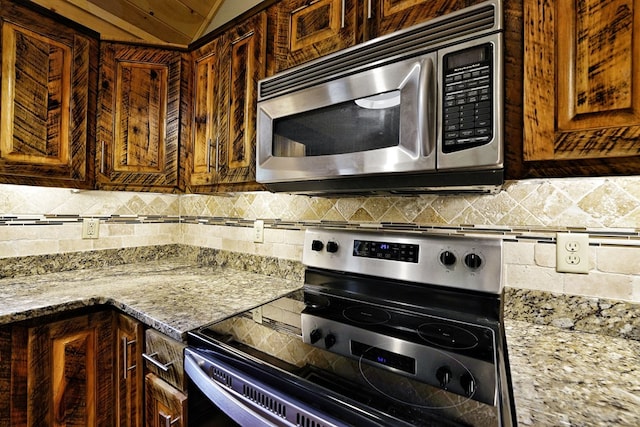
(220, 153)
(129, 376)
(59, 374)
(164, 405)
(306, 30)
(138, 118)
(85, 370)
(47, 100)
(581, 71)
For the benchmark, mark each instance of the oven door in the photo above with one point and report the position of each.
(377, 121)
(250, 394)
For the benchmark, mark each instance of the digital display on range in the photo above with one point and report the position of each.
(385, 250)
(384, 357)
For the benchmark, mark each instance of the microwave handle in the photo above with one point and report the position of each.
(427, 117)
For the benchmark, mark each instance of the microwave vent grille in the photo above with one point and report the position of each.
(471, 22)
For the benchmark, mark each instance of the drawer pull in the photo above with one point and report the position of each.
(166, 420)
(125, 357)
(150, 358)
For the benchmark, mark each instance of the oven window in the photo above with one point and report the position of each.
(349, 127)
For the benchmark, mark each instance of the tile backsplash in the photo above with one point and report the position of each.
(526, 214)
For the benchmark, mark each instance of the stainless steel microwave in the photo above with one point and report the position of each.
(419, 110)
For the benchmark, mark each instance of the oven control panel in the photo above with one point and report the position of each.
(471, 263)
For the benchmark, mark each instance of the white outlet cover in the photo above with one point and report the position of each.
(258, 231)
(572, 253)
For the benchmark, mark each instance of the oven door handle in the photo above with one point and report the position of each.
(240, 408)
(224, 400)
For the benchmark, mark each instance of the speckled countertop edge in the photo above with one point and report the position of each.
(172, 296)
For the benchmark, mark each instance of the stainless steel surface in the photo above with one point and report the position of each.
(247, 401)
(125, 357)
(427, 359)
(164, 367)
(415, 151)
(429, 269)
(415, 160)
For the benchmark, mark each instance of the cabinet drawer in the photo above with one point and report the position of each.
(164, 357)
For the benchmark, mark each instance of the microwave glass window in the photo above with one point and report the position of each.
(349, 127)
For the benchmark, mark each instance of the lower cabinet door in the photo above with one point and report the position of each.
(165, 405)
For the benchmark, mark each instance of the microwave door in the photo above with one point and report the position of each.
(377, 121)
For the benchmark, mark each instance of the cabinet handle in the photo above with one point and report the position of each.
(217, 153)
(103, 150)
(369, 9)
(166, 419)
(150, 358)
(343, 17)
(209, 155)
(125, 357)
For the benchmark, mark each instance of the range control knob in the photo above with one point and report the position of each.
(443, 375)
(317, 245)
(332, 247)
(447, 258)
(473, 261)
(468, 384)
(315, 335)
(329, 341)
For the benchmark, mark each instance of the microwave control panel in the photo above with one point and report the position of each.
(468, 98)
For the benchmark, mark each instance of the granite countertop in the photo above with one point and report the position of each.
(572, 378)
(172, 296)
(561, 377)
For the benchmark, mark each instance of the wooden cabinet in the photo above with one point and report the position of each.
(306, 30)
(60, 373)
(164, 405)
(581, 78)
(387, 16)
(165, 384)
(220, 154)
(138, 118)
(129, 343)
(47, 100)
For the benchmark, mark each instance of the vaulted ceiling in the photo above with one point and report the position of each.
(176, 22)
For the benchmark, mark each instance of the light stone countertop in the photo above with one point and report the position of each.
(560, 377)
(171, 296)
(569, 378)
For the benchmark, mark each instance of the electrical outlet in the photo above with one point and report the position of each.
(258, 231)
(572, 253)
(90, 228)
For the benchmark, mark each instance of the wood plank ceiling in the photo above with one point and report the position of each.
(177, 22)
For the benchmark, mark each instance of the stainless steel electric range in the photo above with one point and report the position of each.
(390, 329)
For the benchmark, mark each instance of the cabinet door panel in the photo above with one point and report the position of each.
(243, 65)
(138, 118)
(164, 405)
(47, 129)
(307, 30)
(129, 373)
(62, 373)
(202, 158)
(582, 67)
(387, 16)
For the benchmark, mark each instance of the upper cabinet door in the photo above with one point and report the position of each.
(201, 157)
(387, 16)
(306, 30)
(581, 83)
(242, 64)
(48, 93)
(138, 118)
